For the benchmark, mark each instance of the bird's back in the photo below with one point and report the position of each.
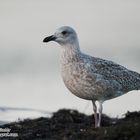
(129, 80)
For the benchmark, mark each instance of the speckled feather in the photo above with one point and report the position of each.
(94, 78)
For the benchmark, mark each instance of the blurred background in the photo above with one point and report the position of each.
(30, 78)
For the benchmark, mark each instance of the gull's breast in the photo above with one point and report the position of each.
(78, 81)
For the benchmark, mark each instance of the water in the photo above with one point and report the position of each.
(17, 114)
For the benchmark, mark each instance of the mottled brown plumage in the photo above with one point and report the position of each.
(89, 77)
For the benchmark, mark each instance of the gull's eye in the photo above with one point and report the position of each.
(64, 32)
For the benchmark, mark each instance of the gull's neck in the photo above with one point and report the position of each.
(71, 53)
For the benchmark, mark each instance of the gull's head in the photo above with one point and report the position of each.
(65, 35)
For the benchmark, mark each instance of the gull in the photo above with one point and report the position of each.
(91, 78)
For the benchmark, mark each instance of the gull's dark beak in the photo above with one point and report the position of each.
(49, 38)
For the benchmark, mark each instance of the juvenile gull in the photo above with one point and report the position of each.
(89, 77)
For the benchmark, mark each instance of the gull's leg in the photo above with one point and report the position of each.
(95, 113)
(100, 109)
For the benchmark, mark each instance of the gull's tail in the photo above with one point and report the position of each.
(136, 80)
